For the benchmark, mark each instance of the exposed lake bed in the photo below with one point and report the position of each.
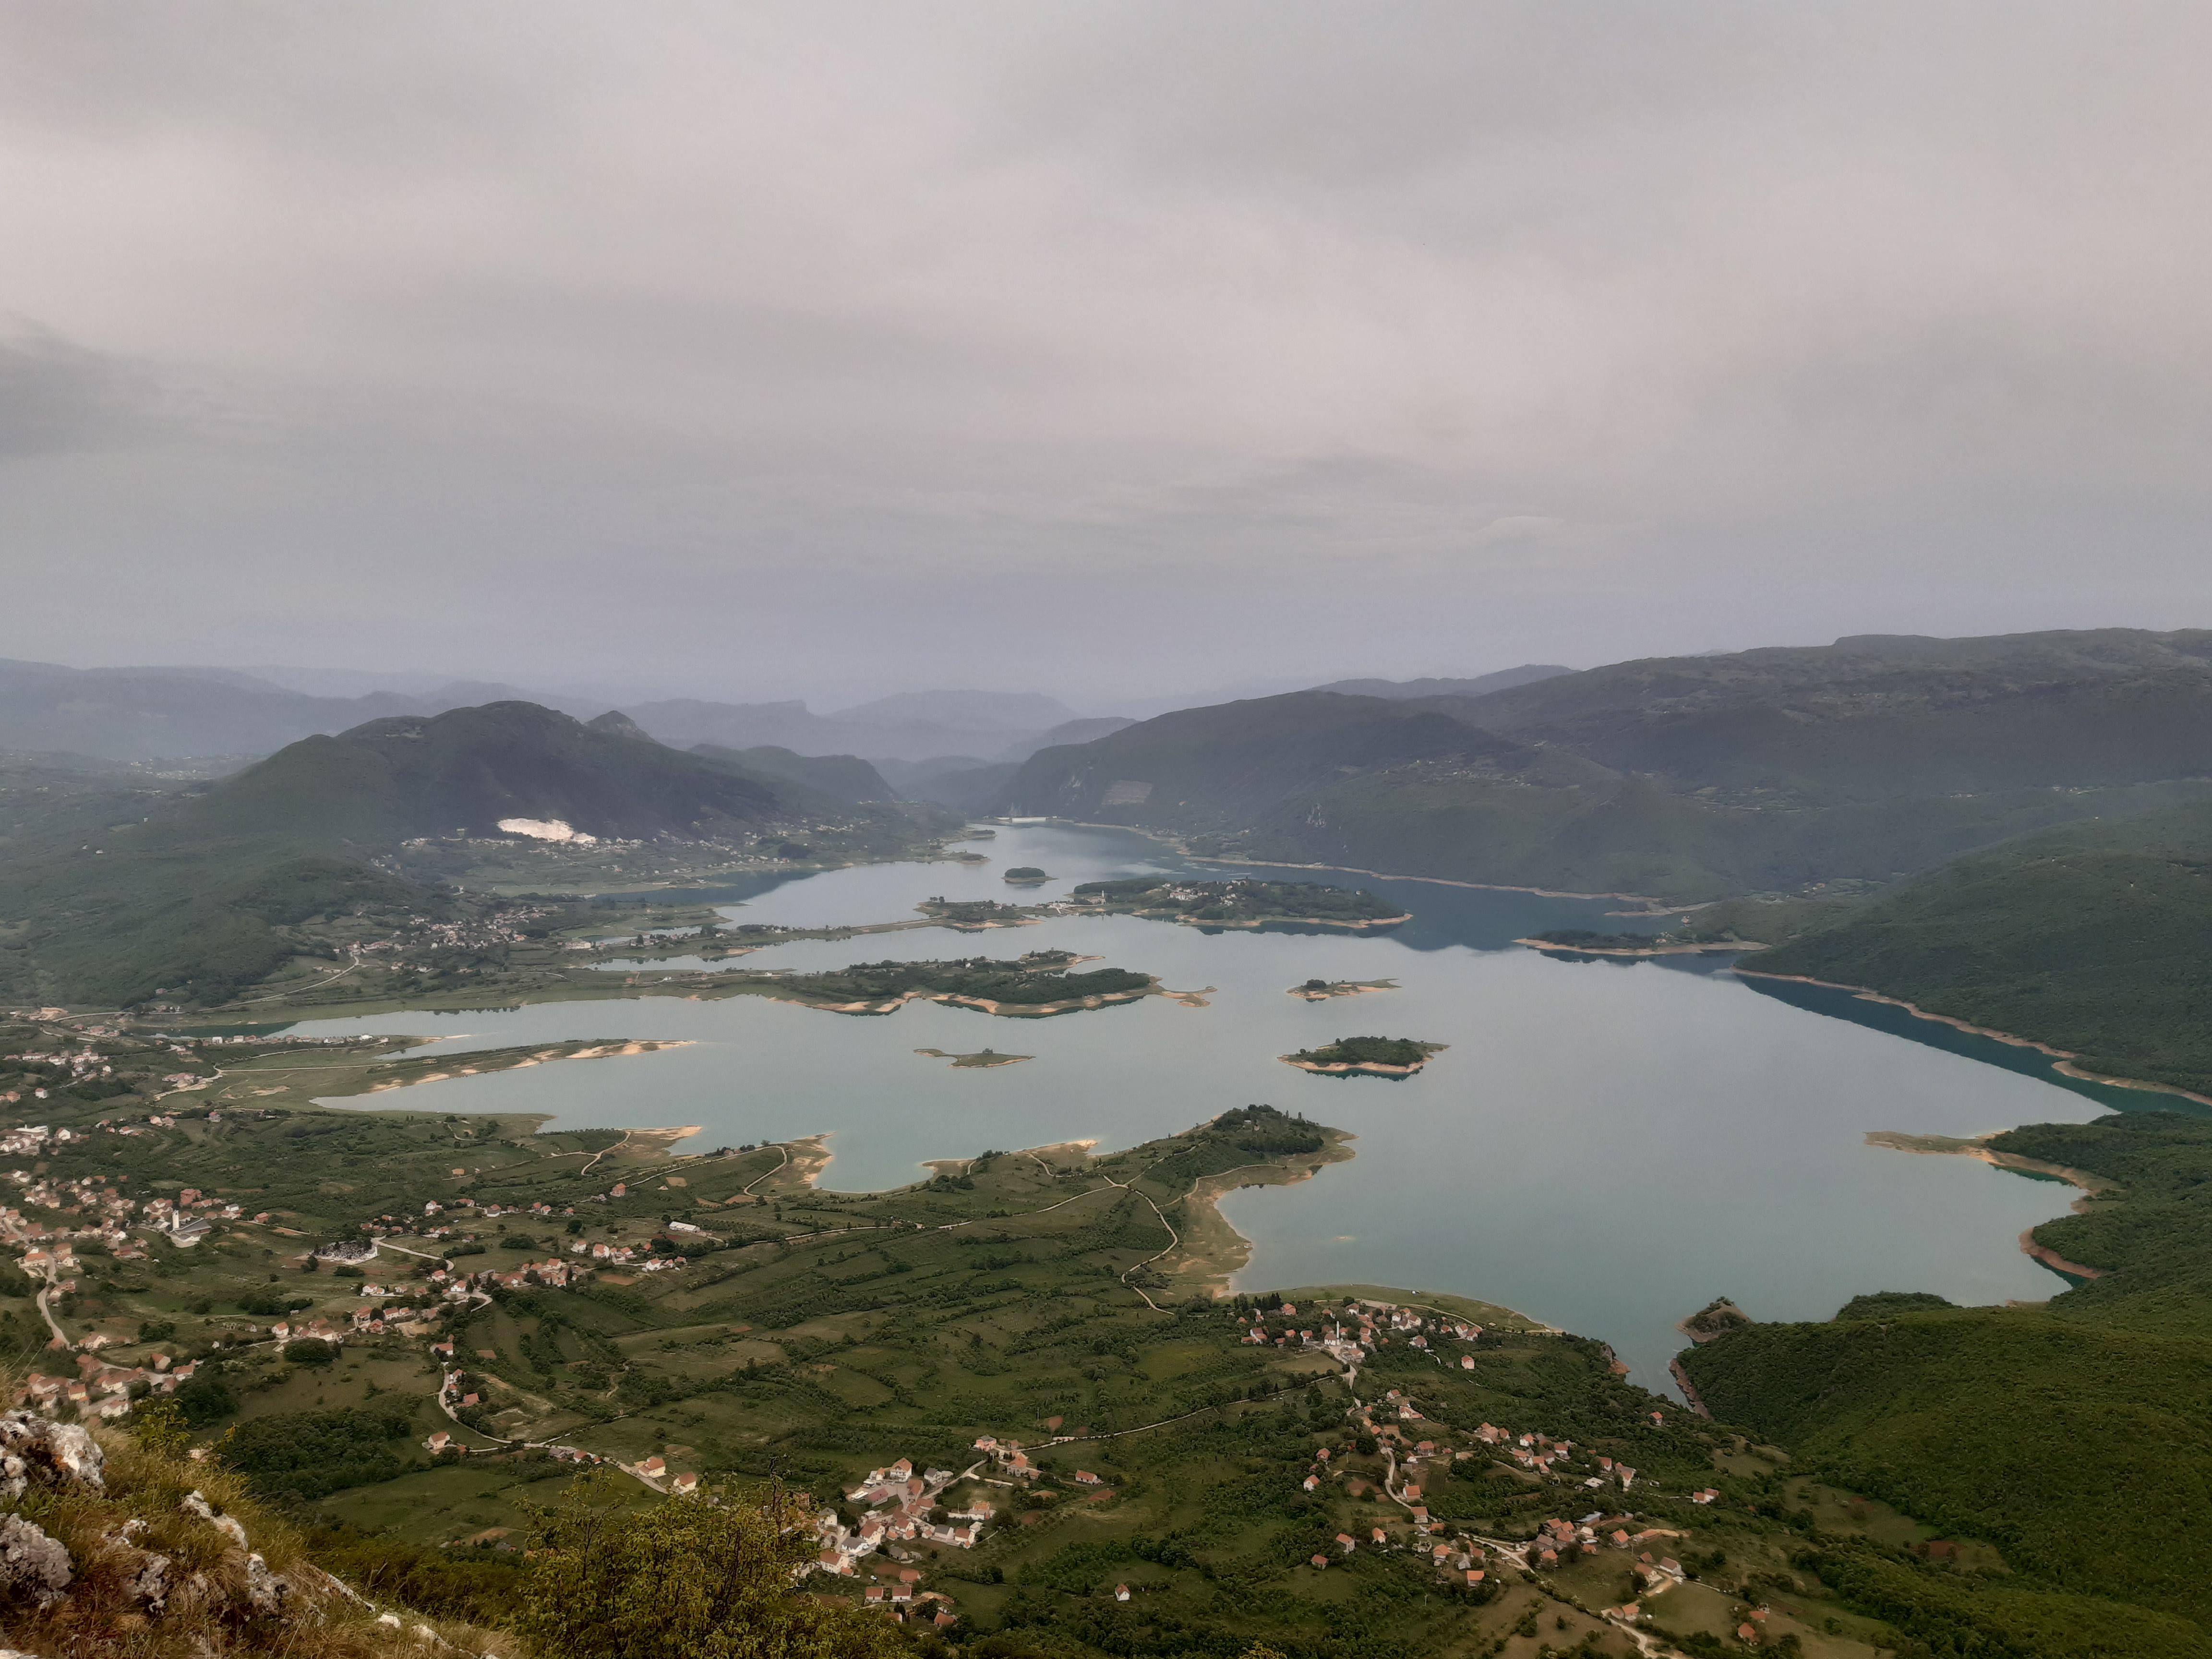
(1616, 1143)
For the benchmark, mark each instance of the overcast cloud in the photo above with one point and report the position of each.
(1100, 348)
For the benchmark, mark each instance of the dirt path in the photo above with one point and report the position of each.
(296, 990)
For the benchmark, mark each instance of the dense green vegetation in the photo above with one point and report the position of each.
(2074, 1437)
(310, 1454)
(845, 778)
(977, 979)
(1690, 779)
(1241, 902)
(2092, 938)
(1588, 939)
(682, 1581)
(127, 890)
(1401, 1052)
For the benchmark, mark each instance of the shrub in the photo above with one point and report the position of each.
(689, 1578)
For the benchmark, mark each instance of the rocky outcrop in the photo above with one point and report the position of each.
(37, 1453)
(33, 1566)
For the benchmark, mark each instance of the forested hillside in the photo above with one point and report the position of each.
(2096, 938)
(2071, 1437)
(1688, 779)
(114, 896)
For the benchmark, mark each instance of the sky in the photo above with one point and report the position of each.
(1109, 350)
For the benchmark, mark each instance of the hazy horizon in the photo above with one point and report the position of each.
(828, 352)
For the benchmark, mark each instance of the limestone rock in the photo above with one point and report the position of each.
(196, 1502)
(36, 1451)
(32, 1564)
(264, 1589)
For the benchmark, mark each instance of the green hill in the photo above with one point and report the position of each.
(845, 778)
(2075, 1438)
(1689, 779)
(461, 773)
(2092, 939)
(115, 897)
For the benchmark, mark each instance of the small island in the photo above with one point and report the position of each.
(970, 914)
(1321, 990)
(1026, 875)
(976, 1061)
(979, 983)
(1366, 1056)
(1239, 904)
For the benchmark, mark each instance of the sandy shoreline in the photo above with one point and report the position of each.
(1212, 1251)
(1979, 1148)
(1368, 1068)
(1556, 947)
(2064, 1058)
(1379, 875)
(2050, 1259)
(539, 1056)
(1349, 1068)
(986, 1005)
(1897, 1140)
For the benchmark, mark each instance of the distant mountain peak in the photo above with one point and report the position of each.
(615, 724)
(1528, 673)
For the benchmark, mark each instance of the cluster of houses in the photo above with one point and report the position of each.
(474, 934)
(1361, 1327)
(1541, 1455)
(903, 1505)
(654, 1471)
(100, 1389)
(83, 1065)
(108, 1214)
(552, 1271)
(316, 1330)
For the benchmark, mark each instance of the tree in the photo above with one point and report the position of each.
(695, 1577)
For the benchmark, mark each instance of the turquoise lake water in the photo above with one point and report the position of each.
(1606, 1145)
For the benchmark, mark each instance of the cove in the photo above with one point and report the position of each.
(1606, 1144)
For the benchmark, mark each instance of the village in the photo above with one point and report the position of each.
(393, 1278)
(1348, 1335)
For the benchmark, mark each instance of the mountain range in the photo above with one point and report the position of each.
(1685, 779)
(114, 894)
(177, 714)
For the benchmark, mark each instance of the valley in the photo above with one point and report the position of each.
(456, 1097)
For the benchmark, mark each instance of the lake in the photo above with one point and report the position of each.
(1606, 1145)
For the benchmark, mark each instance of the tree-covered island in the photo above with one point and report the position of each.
(1370, 1056)
(1321, 990)
(1239, 904)
(996, 987)
(968, 913)
(1027, 875)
